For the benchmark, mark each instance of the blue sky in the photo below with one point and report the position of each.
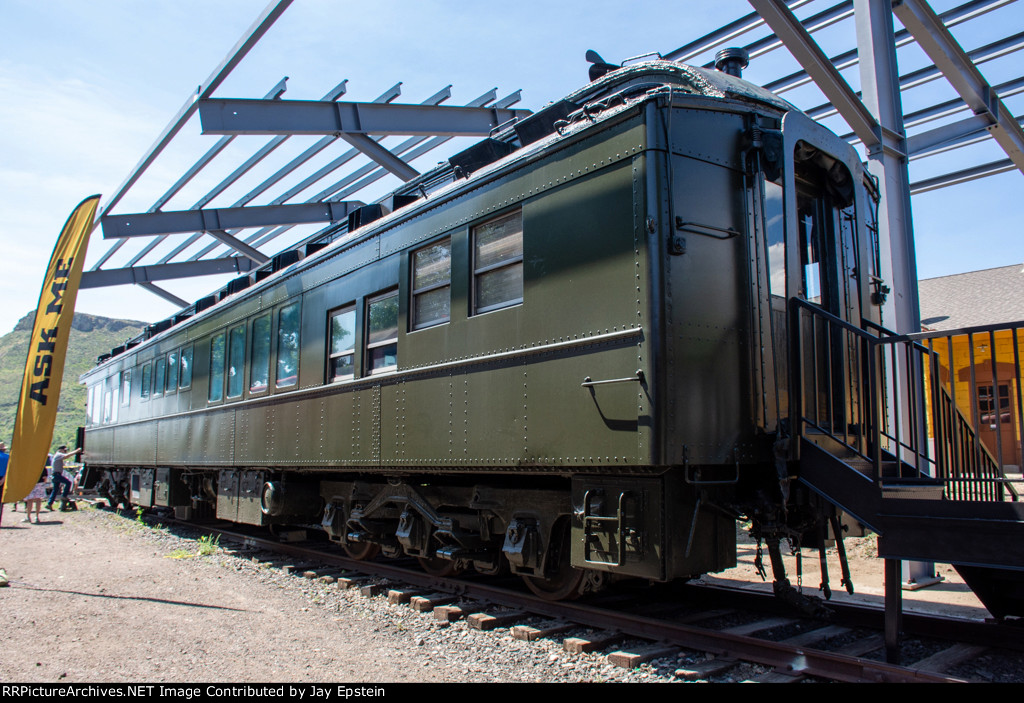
(87, 87)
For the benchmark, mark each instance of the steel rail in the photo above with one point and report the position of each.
(792, 659)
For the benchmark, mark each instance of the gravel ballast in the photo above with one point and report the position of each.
(96, 596)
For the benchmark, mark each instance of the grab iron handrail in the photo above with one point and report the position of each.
(881, 394)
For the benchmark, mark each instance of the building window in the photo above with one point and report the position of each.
(236, 361)
(159, 376)
(498, 263)
(342, 354)
(382, 334)
(431, 284)
(259, 378)
(288, 346)
(147, 379)
(172, 372)
(126, 387)
(216, 368)
(186, 368)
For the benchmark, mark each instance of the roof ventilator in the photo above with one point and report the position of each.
(541, 124)
(479, 155)
(732, 61)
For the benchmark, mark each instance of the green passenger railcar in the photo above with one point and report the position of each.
(569, 360)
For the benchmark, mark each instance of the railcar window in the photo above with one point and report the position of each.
(288, 346)
(236, 362)
(259, 378)
(114, 403)
(147, 380)
(217, 368)
(809, 223)
(126, 387)
(94, 405)
(341, 363)
(498, 263)
(776, 237)
(382, 337)
(172, 372)
(186, 368)
(159, 377)
(431, 284)
(106, 406)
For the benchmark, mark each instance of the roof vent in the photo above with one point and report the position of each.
(238, 284)
(204, 303)
(479, 155)
(732, 61)
(316, 246)
(365, 215)
(284, 260)
(542, 123)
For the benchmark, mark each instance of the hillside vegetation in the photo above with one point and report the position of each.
(91, 336)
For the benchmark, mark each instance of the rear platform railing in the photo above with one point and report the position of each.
(908, 406)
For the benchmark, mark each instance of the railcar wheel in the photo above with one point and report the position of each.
(441, 568)
(361, 551)
(564, 582)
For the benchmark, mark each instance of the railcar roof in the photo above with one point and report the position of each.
(690, 79)
(634, 82)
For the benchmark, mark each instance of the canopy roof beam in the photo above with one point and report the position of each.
(164, 272)
(216, 219)
(255, 32)
(240, 116)
(165, 294)
(796, 38)
(936, 41)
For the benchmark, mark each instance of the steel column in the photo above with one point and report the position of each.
(887, 161)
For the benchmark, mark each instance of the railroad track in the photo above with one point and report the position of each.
(709, 633)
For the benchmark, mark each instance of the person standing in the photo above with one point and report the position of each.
(35, 498)
(59, 479)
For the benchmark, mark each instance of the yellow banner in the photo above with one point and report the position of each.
(40, 387)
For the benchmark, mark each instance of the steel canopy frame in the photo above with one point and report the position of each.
(428, 125)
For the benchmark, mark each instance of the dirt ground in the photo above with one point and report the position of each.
(96, 597)
(86, 603)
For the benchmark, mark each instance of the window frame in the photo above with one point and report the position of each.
(478, 272)
(171, 380)
(331, 355)
(159, 373)
(182, 385)
(269, 317)
(146, 381)
(278, 385)
(368, 346)
(229, 361)
(415, 292)
(126, 387)
(223, 369)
